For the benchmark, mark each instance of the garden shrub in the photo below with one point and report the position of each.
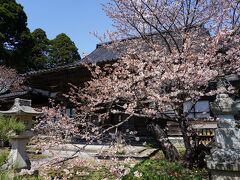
(9, 125)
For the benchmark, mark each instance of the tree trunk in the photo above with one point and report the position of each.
(189, 155)
(184, 130)
(167, 147)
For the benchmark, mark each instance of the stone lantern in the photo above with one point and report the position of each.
(22, 111)
(224, 161)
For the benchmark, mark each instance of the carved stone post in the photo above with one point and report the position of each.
(224, 161)
(22, 111)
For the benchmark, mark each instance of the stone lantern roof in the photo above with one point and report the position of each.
(21, 107)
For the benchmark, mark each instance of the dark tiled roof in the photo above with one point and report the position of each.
(111, 51)
(101, 54)
(13, 94)
(59, 68)
(104, 53)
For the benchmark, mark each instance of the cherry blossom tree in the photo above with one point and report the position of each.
(174, 50)
(190, 43)
(181, 47)
(149, 85)
(9, 79)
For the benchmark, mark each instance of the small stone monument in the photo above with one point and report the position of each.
(224, 161)
(22, 111)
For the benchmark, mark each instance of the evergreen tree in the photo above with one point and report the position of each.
(40, 50)
(63, 51)
(15, 37)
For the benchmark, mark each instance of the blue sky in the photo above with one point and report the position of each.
(76, 18)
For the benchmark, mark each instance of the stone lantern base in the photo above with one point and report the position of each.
(224, 161)
(225, 174)
(18, 158)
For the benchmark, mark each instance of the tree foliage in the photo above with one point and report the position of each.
(15, 37)
(25, 51)
(40, 50)
(52, 53)
(63, 51)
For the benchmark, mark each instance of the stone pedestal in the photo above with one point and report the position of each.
(18, 158)
(224, 161)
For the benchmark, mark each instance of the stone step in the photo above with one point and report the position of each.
(148, 152)
(99, 151)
